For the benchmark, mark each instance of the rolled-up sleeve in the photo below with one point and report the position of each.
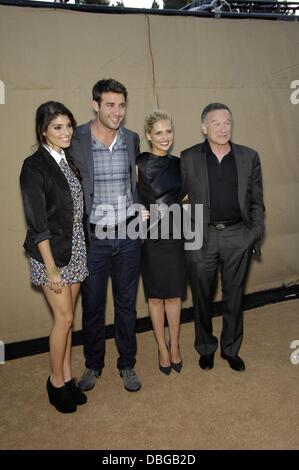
(34, 202)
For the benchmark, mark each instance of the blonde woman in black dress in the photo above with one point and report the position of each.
(163, 265)
(53, 205)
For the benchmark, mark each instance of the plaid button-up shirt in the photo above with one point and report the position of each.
(112, 182)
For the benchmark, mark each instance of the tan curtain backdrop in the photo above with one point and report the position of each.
(178, 63)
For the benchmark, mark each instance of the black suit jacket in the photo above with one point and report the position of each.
(250, 189)
(81, 151)
(48, 207)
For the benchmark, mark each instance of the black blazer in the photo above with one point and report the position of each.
(48, 207)
(250, 189)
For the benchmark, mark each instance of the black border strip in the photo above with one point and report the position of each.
(233, 458)
(251, 301)
(121, 11)
(140, 458)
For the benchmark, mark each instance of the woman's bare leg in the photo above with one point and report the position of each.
(67, 366)
(173, 314)
(157, 314)
(62, 308)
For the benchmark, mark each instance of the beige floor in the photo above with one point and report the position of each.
(218, 409)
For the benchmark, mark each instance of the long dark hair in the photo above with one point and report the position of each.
(45, 113)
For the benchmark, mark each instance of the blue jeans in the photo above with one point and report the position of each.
(121, 260)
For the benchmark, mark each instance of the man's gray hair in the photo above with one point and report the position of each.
(214, 107)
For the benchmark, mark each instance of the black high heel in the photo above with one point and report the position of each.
(166, 370)
(177, 366)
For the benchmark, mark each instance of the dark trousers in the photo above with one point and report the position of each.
(121, 260)
(229, 251)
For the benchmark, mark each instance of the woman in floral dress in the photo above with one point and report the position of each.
(55, 244)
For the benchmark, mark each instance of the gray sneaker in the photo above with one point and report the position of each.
(130, 379)
(88, 379)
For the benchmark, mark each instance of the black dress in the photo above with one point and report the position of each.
(163, 260)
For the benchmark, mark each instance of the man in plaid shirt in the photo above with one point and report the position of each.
(105, 154)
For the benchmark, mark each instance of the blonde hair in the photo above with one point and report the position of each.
(155, 116)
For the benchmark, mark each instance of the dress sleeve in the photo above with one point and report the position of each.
(137, 145)
(144, 189)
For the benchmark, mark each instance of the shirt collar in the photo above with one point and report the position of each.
(207, 148)
(114, 142)
(118, 139)
(56, 155)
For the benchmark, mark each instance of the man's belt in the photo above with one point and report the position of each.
(221, 224)
(111, 228)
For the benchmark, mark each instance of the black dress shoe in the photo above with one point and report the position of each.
(206, 361)
(61, 398)
(235, 362)
(79, 397)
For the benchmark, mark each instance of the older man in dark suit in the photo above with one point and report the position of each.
(226, 179)
(105, 154)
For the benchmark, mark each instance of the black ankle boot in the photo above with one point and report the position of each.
(76, 394)
(61, 398)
